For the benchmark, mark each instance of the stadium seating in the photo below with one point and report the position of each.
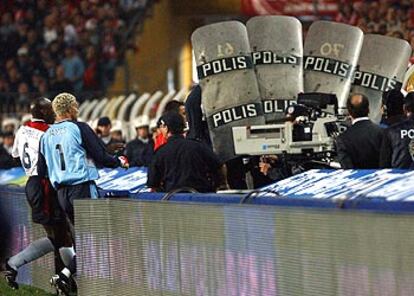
(125, 109)
(49, 47)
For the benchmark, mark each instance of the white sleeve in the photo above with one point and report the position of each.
(15, 150)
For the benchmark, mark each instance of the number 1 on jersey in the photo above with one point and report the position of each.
(62, 157)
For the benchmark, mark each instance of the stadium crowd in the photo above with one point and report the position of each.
(50, 46)
(386, 17)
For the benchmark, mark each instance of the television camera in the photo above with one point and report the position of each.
(307, 133)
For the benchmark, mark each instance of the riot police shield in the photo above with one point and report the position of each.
(381, 67)
(331, 54)
(277, 53)
(230, 94)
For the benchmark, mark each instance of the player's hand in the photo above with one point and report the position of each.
(264, 168)
(124, 162)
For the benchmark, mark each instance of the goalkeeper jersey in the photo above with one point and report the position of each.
(70, 152)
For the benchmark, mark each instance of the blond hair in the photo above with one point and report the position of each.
(63, 103)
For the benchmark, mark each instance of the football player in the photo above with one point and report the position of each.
(69, 153)
(40, 195)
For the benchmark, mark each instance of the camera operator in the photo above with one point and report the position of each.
(397, 146)
(359, 146)
(273, 168)
(392, 107)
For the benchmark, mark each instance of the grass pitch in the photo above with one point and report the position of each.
(24, 290)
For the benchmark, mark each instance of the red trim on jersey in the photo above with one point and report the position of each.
(39, 125)
(46, 187)
(47, 194)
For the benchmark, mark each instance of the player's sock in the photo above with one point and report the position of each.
(67, 254)
(66, 272)
(33, 251)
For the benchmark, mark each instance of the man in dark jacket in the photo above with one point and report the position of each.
(140, 150)
(393, 107)
(6, 159)
(359, 146)
(182, 162)
(198, 129)
(397, 146)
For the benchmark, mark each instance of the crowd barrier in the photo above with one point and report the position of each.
(349, 237)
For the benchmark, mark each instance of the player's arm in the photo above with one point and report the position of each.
(96, 148)
(15, 149)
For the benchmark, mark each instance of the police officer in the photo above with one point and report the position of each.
(397, 146)
(393, 108)
(140, 150)
(183, 162)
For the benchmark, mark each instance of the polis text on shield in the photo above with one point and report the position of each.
(235, 113)
(329, 66)
(224, 65)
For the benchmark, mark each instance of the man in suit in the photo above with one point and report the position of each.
(359, 147)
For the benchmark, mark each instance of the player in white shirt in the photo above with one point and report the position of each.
(40, 195)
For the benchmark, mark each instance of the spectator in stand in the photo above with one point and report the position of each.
(74, 68)
(24, 95)
(109, 55)
(140, 150)
(50, 32)
(23, 64)
(61, 84)
(14, 79)
(90, 77)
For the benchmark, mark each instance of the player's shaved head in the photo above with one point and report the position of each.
(358, 106)
(42, 109)
(64, 105)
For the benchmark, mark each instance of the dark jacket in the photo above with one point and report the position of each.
(139, 153)
(198, 129)
(359, 146)
(395, 148)
(6, 160)
(183, 163)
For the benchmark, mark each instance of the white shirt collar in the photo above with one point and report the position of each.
(359, 119)
(37, 120)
